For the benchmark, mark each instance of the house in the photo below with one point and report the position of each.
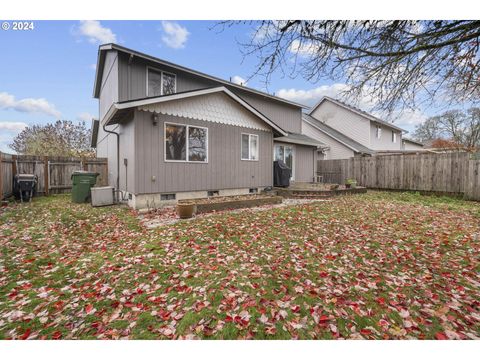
(409, 144)
(171, 133)
(348, 131)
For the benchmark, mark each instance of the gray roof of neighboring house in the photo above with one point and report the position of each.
(300, 139)
(350, 143)
(358, 111)
(101, 59)
(413, 141)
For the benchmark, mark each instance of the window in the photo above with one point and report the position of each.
(177, 148)
(249, 147)
(154, 83)
(168, 83)
(379, 132)
(285, 154)
(167, 197)
(160, 83)
(175, 142)
(197, 144)
(394, 137)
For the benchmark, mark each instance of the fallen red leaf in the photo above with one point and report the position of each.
(441, 336)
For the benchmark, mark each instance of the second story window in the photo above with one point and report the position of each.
(168, 83)
(379, 132)
(160, 83)
(394, 137)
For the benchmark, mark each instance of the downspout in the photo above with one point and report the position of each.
(118, 159)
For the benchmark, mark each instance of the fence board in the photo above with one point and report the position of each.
(54, 173)
(451, 173)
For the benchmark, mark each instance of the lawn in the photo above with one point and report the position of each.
(373, 266)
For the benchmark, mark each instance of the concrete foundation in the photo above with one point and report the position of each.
(154, 201)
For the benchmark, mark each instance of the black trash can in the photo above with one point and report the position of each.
(25, 186)
(281, 174)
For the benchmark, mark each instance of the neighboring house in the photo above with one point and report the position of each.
(409, 144)
(172, 133)
(349, 131)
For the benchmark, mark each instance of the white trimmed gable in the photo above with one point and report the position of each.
(216, 107)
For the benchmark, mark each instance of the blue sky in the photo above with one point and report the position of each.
(48, 72)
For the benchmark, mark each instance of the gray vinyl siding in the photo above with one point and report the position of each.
(133, 78)
(127, 151)
(385, 141)
(304, 166)
(288, 117)
(305, 163)
(345, 121)
(224, 170)
(411, 146)
(336, 149)
(107, 147)
(133, 85)
(109, 86)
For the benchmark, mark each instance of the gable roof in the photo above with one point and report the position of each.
(357, 111)
(300, 139)
(118, 110)
(413, 141)
(336, 135)
(101, 60)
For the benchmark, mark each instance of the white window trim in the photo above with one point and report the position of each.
(161, 80)
(186, 144)
(249, 144)
(293, 156)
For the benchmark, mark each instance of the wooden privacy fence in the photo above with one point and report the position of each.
(454, 173)
(53, 172)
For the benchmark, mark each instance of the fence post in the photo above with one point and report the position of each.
(46, 171)
(84, 164)
(14, 165)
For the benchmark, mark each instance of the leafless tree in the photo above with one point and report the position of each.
(459, 127)
(400, 64)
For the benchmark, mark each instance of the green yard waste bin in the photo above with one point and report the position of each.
(82, 181)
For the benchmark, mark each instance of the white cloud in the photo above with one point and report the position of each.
(239, 80)
(409, 118)
(8, 131)
(175, 35)
(85, 116)
(312, 96)
(15, 126)
(28, 105)
(96, 33)
(303, 48)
